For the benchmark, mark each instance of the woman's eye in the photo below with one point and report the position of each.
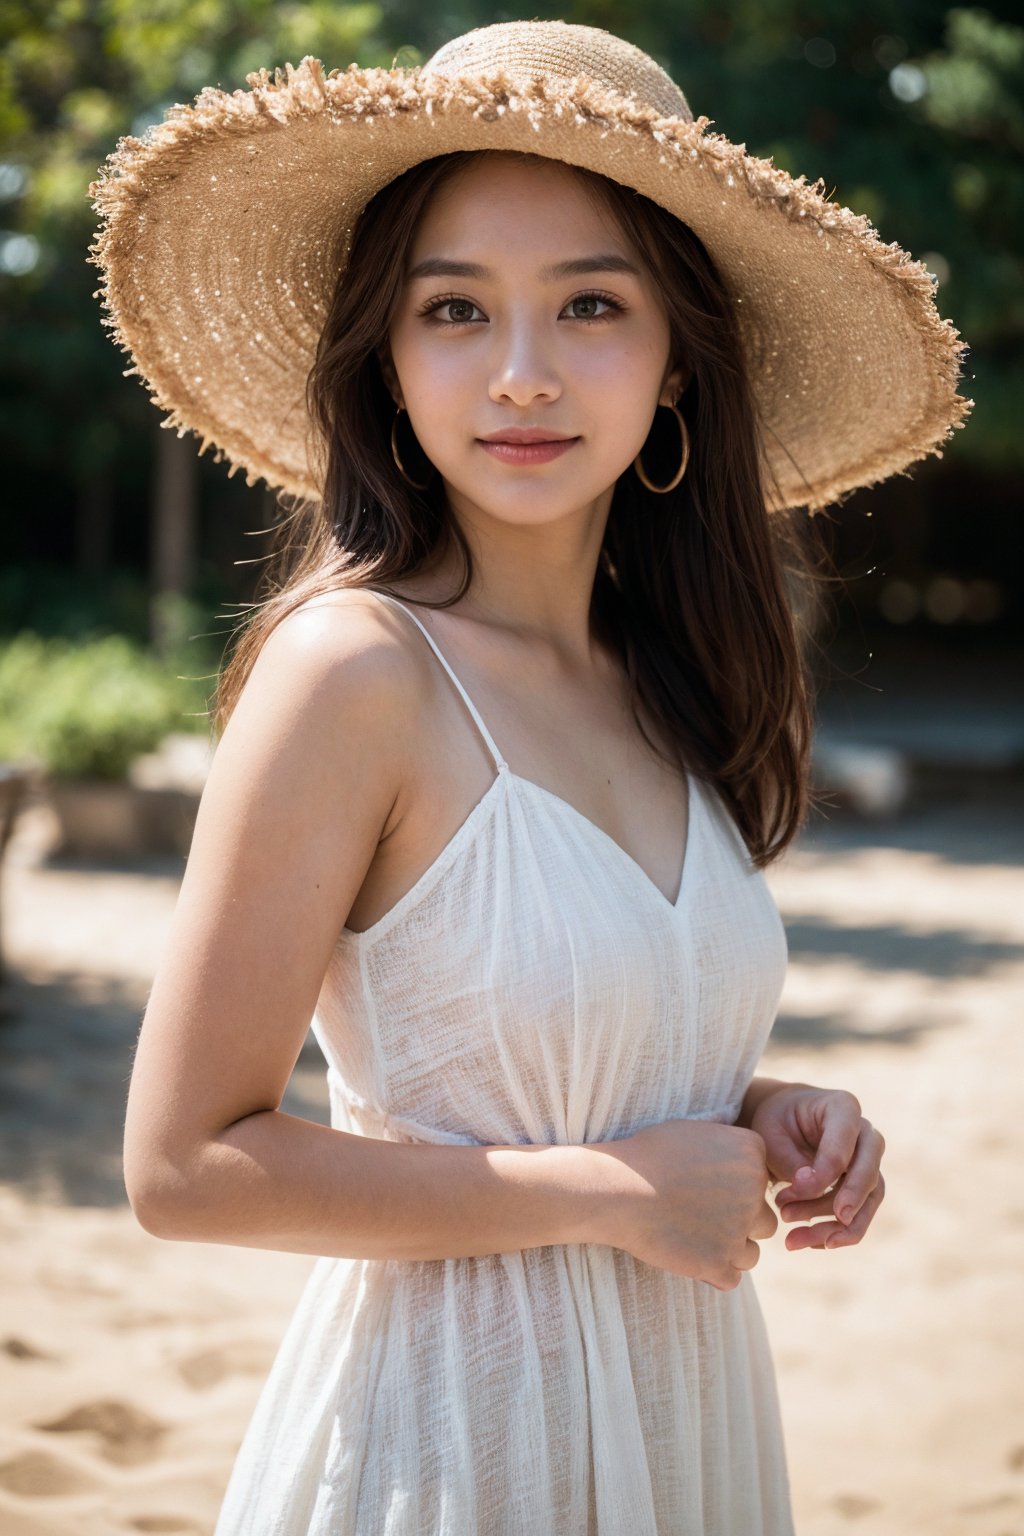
(593, 298)
(454, 306)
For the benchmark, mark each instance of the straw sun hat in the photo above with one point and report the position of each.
(223, 230)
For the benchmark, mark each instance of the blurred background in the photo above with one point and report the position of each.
(129, 1366)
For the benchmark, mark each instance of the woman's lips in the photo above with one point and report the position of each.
(528, 453)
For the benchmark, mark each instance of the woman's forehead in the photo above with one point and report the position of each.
(482, 223)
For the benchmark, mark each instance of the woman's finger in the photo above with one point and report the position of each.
(792, 1208)
(850, 1190)
(804, 1210)
(837, 1116)
(863, 1174)
(751, 1255)
(832, 1234)
(767, 1222)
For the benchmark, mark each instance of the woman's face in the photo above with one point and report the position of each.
(582, 353)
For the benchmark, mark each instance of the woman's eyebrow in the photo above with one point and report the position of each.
(443, 266)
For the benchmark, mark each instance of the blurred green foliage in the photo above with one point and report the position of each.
(911, 111)
(58, 600)
(86, 709)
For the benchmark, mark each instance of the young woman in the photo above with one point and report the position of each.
(503, 754)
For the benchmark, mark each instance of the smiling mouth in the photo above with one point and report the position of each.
(527, 453)
(526, 442)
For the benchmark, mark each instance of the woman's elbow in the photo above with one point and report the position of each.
(158, 1194)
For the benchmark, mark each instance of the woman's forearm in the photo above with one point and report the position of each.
(273, 1180)
(759, 1088)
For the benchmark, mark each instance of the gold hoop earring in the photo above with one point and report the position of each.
(638, 466)
(394, 453)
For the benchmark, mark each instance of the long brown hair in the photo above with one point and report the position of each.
(705, 595)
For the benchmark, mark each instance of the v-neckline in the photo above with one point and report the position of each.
(503, 770)
(606, 839)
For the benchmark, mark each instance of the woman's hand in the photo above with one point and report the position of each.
(817, 1141)
(687, 1196)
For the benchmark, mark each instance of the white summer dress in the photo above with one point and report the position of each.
(533, 986)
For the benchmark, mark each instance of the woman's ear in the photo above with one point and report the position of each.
(389, 376)
(675, 384)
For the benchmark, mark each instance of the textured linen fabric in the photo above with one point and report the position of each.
(534, 985)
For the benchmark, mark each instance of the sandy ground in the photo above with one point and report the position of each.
(130, 1365)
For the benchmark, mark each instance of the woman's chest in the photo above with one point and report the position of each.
(547, 985)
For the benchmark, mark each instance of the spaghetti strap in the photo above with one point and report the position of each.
(492, 746)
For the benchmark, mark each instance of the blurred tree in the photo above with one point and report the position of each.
(75, 75)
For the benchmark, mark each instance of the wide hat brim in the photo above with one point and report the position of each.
(223, 231)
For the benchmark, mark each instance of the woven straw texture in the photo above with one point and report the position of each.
(223, 231)
(533, 986)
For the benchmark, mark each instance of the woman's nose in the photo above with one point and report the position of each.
(522, 363)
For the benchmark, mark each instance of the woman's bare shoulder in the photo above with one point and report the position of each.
(343, 631)
(349, 657)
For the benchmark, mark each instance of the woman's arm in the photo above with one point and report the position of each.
(272, 1180)
(759, 1089)
(307, 778)
(311, 777)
